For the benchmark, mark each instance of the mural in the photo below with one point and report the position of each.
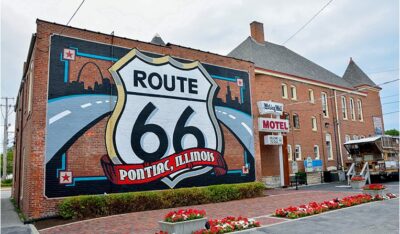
(122, 120)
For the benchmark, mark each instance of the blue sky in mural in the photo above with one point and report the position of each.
(368, 31)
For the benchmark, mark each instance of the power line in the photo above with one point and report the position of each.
(395, 95)
(390, 112)
(309, 21)
(70, 19)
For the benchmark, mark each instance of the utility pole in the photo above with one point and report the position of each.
(5, 135)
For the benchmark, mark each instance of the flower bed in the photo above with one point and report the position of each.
(184, 215)
(374, 187)
(228, 224)
(294, 212)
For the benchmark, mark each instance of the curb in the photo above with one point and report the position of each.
(33, 229)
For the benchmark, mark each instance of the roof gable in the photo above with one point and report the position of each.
(355, 76)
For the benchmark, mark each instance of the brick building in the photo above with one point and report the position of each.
(98, 113)
(324, 110)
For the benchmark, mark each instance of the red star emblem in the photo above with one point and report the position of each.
(65, 177)
(69, 54)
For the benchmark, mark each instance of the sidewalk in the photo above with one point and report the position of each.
(10, 222)
(147, 221)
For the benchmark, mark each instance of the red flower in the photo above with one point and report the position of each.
(357, 178)
(184, 215)
(374, 187)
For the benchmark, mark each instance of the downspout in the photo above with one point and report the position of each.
(323, 142)
(337, 128)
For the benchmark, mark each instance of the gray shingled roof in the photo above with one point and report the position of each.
(355, 76)
(157, 40)
(279, 58)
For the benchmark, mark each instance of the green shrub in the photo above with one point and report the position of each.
(6, 183)
(90, 206)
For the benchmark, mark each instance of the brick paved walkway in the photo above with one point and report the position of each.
(146, 222)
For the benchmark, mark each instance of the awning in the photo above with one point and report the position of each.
(364, 140)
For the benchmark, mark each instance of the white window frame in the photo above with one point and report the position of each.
(297, 152)
(359, 110)
(314, 123)
(352, 110)
(316, 156)
(290, 152)
(329, 149)
(344, 108)
(284, 90)
(355, 137)
(293, 92)
(324, 102)
(311, 96)
(346, 139)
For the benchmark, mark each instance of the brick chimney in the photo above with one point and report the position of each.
(257, 31)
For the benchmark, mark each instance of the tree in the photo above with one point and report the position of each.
(10, 161)
(392, 132)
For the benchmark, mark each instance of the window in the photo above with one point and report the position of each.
(353, 115)
(344, 108)
(362, 137)
(311, 96)
(316, 152)
(328, 141)
(359, 110)
(293, 92)
(297, 152)
(355, 137)
(324, 100)
(284, 91)
(346, 139)
(314, 123)
(287, 117)
(289, 152)
(296, 121)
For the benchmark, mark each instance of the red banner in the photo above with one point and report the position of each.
(147, 172)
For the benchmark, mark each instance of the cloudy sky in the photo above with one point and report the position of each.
(367, 30)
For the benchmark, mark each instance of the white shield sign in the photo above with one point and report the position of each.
(164, 124)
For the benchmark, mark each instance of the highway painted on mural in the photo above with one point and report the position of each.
(69, 115)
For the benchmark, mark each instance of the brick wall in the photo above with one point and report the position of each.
(35, 204)
(269, 88)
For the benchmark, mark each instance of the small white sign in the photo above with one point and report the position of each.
(295, 168)
(309, 164)
(268, 107)
(239, 82)
(273, 125)
(273, 140)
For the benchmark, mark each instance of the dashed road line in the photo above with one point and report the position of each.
(247, 128)
(86, 105)
(107, 101)
(99, 102)
(231, 116)
(223, 112)
(59, 116)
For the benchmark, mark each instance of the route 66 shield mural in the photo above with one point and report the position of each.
(124, 120)
(164, 126)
